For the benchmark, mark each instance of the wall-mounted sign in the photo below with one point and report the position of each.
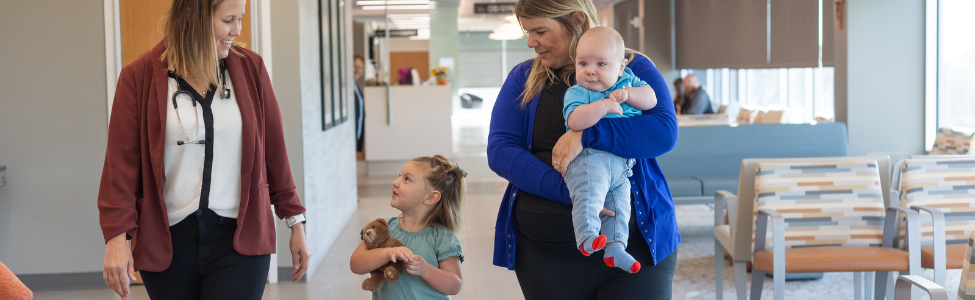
(397, 33)
(494, 8)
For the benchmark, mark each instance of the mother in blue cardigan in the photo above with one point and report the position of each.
(534, 233)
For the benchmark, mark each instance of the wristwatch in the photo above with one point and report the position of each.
(292, 220)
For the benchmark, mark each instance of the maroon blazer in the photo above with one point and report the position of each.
(130, 197)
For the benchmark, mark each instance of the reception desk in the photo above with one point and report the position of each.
(418, 123)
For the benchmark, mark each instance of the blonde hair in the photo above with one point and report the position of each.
(191, 46)
(448, 179)
(561, 11)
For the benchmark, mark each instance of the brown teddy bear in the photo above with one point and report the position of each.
(376, 235)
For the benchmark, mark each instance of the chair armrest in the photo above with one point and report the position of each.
(938, 222)
(902, 289)
(913, 236)
(722, 198)
(940, 254)
(761, 228)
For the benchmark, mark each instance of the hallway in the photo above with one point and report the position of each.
(694, 278)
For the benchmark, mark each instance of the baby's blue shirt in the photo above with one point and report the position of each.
(578, 95)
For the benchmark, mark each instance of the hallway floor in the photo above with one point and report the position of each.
(694, 278)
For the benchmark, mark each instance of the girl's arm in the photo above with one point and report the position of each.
(366, 260)
(641, 97)
(646, 136)
(507, 143)
(448, 279)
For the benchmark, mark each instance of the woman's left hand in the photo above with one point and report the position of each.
(300, 254)
(566, 149)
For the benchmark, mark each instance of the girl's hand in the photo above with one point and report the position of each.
(566, 149)
(418, 267)
(118, 269)
(399, 253)
(300, 254)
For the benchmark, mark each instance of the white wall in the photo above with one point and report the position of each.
(885, 76)
(53, 132)
(323, 161)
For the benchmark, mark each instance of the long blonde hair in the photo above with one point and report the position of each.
(190, 42)
(448, 179)
(561, 11)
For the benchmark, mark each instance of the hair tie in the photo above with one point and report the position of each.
(462, 172)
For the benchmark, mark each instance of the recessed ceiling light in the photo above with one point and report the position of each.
(397, 7)
(383, 2)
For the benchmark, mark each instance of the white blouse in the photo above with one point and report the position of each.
(184, 164)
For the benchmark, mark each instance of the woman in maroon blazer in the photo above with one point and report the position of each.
(195, 159)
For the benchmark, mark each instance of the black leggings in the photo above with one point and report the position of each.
(208, 267)
(549, 266)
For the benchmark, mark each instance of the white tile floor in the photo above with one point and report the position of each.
(694, 278)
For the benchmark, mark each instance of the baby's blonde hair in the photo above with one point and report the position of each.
(602, 35)
(448, 179)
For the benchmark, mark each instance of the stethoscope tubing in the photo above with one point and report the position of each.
(225, 94)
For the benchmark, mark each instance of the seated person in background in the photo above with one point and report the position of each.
(696, 100)
(605, 88)
(678, 94)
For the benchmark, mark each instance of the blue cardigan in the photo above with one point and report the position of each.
(642, 137)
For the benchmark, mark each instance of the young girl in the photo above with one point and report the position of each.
(429, 193)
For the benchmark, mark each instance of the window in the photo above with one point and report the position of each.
(956, 64)
(333, 32)
(804, 93)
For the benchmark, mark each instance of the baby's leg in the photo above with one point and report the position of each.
(617, 228)
(587, 187)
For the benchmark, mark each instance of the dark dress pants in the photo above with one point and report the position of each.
(205, 264)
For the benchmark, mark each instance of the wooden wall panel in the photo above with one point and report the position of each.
(141, 26)
(418, 60)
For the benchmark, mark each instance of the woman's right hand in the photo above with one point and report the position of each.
(118, 269)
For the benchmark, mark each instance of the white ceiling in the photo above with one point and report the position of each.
(466, 19)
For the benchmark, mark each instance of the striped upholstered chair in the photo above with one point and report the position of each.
(966, 288)
(737, 235)
(953, 141)
(945, 188)
(827, 216)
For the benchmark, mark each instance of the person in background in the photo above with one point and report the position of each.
(696, 100)
(358, 67)
(679, 94)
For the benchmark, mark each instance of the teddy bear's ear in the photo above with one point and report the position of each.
(381, 220)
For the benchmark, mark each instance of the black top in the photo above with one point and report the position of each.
(549, 127)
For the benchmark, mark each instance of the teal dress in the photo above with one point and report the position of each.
(434, 244)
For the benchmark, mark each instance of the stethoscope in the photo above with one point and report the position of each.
(225, 94)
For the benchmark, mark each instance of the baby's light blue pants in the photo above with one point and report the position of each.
(598, 179)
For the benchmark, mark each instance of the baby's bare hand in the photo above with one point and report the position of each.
(613, 107)
(620, 95)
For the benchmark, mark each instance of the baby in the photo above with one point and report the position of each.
(605, 88)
